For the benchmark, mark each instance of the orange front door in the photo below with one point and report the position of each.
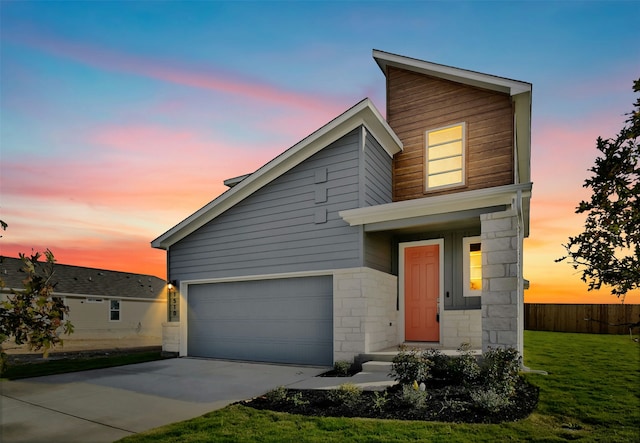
(421, 291)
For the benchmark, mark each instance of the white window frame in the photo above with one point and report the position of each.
(466, 266)
(463, 154)
(119, 310)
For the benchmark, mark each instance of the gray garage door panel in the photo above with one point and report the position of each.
(280, 321)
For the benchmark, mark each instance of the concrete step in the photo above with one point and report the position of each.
(376, 366)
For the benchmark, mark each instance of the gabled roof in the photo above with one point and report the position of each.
(363, 113)
(519, 91)
(79, 280)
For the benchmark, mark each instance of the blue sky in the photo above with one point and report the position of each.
(119, 119)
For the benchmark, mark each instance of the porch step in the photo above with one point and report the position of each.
(377, 366)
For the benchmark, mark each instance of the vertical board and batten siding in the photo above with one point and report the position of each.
(417, 103)
(275, 229)
(453, 261)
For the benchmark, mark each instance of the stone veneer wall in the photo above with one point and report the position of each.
(463, 326)
(364, 312)
(502, 282)
(171, 336)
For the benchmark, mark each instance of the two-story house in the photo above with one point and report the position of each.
(368, 233)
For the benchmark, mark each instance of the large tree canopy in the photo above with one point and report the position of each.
(608, 251)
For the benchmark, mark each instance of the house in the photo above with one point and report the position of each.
(102, 304)
(368, 233)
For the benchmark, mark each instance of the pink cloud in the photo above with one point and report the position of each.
(173, 72)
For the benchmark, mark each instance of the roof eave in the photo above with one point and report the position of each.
(442, 204)
(472, 78)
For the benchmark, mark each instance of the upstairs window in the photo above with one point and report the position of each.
(472, 266)
(445, 157)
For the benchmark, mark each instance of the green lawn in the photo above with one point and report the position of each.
(51, 367)
(591, 394)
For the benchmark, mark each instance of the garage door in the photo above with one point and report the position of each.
(279, 321)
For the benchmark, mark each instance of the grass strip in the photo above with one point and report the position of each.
(52, 367)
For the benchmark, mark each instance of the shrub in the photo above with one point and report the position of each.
(347, 394)
(464, 368)
(412, 397)
(440, 363)
(500, 370)
(410, 366)
(277, 395)
(342, 368)
(489, 400)
(379, 400)
(297, 399)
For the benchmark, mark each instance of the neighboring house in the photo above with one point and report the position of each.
(368, 233)
(102, 304)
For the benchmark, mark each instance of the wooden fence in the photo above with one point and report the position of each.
(593, 319)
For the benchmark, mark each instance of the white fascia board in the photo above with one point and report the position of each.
(441, 204)
(472, 78)
(363, 113)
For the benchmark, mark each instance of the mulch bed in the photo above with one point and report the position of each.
(446, 403)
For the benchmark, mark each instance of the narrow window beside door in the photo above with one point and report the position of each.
(472, 266)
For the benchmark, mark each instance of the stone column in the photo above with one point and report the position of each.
(502, 289)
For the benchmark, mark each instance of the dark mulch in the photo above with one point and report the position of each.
(446, 403)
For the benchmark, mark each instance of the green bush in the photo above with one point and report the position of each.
(412, 397)
(410, 366)
(342, 368)
(489, 400)
(464, 368)
(380, 399)
(277, 395)
(500, 370)
(347, 395)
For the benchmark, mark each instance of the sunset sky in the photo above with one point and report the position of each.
(120, 119)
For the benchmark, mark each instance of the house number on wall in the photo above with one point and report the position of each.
(173, 306)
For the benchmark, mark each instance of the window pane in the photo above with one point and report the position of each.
(115, 304)
(475, 268)
(446, 165)
(446, 150)
(115, 315)
(445, 135)
(448, 178)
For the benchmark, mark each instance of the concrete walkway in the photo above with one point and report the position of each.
(108, 404)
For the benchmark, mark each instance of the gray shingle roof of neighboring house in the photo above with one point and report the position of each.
(79, 280)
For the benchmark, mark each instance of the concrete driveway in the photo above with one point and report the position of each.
(108, 404)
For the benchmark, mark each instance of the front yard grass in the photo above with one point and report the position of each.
(80, 363)
(592, 393)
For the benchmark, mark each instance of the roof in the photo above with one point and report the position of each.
(363, 113)
(465, 76)
(519, 91)
(79, 280)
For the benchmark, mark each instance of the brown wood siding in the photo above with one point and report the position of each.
(417, 103)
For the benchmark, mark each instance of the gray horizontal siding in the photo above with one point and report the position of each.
(274, 229)
(377, 176)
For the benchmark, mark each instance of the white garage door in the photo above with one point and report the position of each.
(279, 321)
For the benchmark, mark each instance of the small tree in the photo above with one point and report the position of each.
(33, 315)
(608, 251)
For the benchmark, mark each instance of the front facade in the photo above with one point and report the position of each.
(369, 233)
